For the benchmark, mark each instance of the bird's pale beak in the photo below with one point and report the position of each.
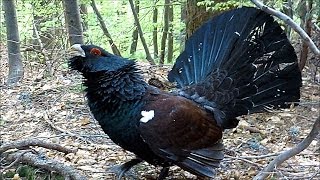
(76, 50)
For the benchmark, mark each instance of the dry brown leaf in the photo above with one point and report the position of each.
(84, 121)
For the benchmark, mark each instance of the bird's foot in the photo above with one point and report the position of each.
(120, 170)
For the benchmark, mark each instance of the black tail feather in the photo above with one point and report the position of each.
(203, 162)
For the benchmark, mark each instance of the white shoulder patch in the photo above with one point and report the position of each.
(147, 116)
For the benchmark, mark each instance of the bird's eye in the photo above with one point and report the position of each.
(95, 51)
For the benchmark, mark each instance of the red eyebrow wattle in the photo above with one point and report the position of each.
(95, 51)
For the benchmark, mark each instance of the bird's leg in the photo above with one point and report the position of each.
(123, 168)
(164, 173)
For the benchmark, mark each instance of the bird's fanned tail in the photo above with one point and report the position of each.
(239, 62)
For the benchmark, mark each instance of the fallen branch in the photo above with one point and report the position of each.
(291, 152)
(41, 161)
(291, 23)
(26, 143)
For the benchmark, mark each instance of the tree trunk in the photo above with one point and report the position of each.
(306, 24)
(287, 9)
(301, 11)
(155, 30)
(170, 34)
(73, 21)
(13, 43)
(165, 32)
(183, 17)
(135, 34)
(197, 15)
(104, 28)
(143, 41)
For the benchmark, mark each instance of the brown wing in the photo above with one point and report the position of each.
(182, 132)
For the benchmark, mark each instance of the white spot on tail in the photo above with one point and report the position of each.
(237, 33)
(147, 116)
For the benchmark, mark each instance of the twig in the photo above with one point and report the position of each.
(104, 28)
(41, 161)
(42, 50)
(259, 157)
(316, 27)
(34, 142)
(64, 131)
(290, 22)
(245, 160)
(251, 129)
(291, 152)
(314, 175)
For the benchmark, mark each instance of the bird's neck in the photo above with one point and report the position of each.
(109, 91)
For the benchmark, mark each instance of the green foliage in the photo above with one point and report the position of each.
(223, 6)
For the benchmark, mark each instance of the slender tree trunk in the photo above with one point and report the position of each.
(155, 30)
(135, 34)
(84, 14)
(143, 41)
(45, 37)
(165, 32)
(13, 43)
(307, 25)
(183, 16)
(287, 9)
(104, 28)
(73, 21)
(170, 34)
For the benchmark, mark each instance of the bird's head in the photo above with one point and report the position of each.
(92, 58)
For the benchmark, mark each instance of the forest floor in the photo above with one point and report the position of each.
(53, 108)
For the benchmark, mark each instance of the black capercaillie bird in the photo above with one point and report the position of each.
(237, 63)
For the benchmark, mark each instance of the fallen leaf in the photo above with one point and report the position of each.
(84, 121)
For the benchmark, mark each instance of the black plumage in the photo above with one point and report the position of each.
(237, 63)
